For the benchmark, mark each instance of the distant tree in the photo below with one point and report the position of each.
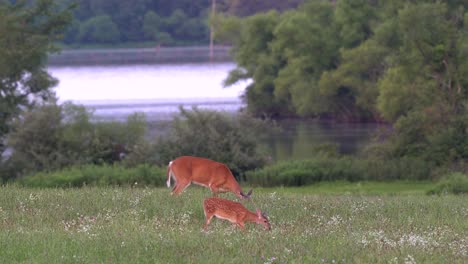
(152, 25)
(100, 29)
(72, 33)
(250, 7)
(174, 23)
(128, 17)
(193, 29)
(27, 32)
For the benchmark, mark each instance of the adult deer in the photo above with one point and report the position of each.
(234, 212)
(208, 173)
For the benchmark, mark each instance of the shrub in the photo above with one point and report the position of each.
(454, 183)
(324, 168)
(52, 137)
(93, 175)
(231, 139)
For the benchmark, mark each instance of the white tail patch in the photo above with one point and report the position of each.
(168, 183)
(169, 172)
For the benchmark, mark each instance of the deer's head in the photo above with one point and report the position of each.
(246, 196)
(263, 220)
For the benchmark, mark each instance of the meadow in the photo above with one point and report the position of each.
(309, 225)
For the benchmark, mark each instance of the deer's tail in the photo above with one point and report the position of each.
(169, 171)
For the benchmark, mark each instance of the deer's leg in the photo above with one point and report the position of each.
(214, 189)
(208, 220)
(241, 226)
(180, 187)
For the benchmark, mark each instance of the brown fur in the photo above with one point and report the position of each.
(208, 173)
(234, 212)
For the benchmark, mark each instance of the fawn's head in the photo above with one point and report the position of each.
(263, 220)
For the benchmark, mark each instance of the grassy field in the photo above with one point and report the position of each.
(359, 188)
(147, 225)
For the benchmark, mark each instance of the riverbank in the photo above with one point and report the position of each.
(153, 55)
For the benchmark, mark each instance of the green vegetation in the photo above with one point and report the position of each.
(318, 176)
(356, 188)
(230, 139)
(52, 137)
(55, 137)
(94, 175)
(175, 22)
(402, 63)
(455, 183)
(389, 61)
(307, 172)
(26, 34)
(147, 225)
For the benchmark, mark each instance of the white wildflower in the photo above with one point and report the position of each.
(410, 260)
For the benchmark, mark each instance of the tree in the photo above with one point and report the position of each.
(99, 29)
(353, 18)
(255, 60)
(405, 63)
(244, 8)
(307, 40)
(151, 25)
(27, 32)
(425, 89)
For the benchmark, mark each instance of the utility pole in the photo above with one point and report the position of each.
(213, 10)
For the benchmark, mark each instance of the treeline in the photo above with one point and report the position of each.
(175, 22)
(400, 62)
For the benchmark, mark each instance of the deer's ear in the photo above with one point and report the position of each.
(259, 214)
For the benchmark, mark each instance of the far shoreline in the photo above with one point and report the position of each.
(147, 55)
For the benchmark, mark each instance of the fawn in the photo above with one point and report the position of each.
(234, 212)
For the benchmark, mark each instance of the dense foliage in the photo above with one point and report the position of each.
(405, 63)
(175, 22)
(26, 34)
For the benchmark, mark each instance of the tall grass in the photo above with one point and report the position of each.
(147, 225)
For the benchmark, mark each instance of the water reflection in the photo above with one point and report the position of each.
(298, 138)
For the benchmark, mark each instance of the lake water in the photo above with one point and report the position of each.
(114, 92)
